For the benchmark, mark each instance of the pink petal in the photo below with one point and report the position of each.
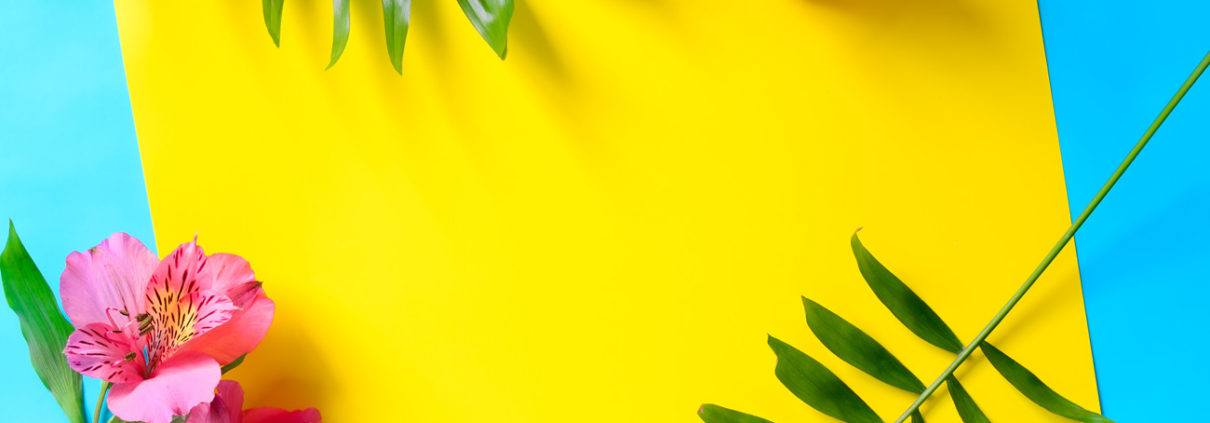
(98, 350)
(240, 335)
(274, 415)
(231, 275)
(113, 274)
(178, 307)
(174, 388)
(224, 408)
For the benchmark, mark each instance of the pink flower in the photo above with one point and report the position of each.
(227, 407)
(159, 330)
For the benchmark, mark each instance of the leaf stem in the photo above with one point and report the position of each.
(1054, 251)
(96, 414)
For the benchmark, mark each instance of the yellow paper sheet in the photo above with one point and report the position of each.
(605, 226)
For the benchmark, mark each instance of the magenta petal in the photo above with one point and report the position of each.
(239, 335)
(224, 408)
(175, 387)
(98, 350)
(274, 415)
(113, 274)
(229, 274)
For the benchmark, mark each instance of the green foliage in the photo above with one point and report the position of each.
(234, 363)
(818, 387)
(1029, 384)
(490, 17)
(711, 413)
(43, 326)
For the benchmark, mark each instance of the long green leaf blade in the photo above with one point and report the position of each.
(817, 386)
(340, 29)
(855, 347)
(1034, 389)
(711, 413)
(396, 16)
(903, 303)
(967, 409)
(917, 417)
(272, 10)
(490, 18)
(43, 326)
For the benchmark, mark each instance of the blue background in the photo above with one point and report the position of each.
(69, 164)
(1113, 66)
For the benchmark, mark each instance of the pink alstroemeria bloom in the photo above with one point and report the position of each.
(227, 407)
(159, 330)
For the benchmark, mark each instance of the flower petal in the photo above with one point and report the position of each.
(174, 388)
(179, 309)
(113, 274)
(101, 351)
(231, 275)
(274, 415)
(239, 335)
(224, 408)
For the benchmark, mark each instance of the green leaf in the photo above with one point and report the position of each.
(857, 348)
(817, 386)
(272, 10)
(490, 18)
(916, 417)
(1033, 388)
(903, 303)
(967, 409)
(711, 413)
(234, 363)
(396, 15)
(340, 29)
(44, 327)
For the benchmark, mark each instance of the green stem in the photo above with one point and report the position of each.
(1054, 251)
(96, 414)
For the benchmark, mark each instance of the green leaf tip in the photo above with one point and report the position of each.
(710, 413)
(912, 311)
(234, 363)
(491, 18)
(396, 17)
(1034, 389)
(817, 386)
(42, 324)
(340, 30)
(967, 409)
(857, 348)
(272, 10)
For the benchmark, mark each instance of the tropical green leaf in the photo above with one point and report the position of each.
(234, 363)
(903, 303)
(272, 10)
(711, 413)
(396, 16)
(1033, 388)
(967, 409)
(340, 29)
(43, 326)
(490, 18)
(857, 348)
(917, 417)
(817, 386)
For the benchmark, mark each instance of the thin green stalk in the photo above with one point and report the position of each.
(1054, 251)
(96, 414)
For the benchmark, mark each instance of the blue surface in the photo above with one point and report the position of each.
(69, 162)
(1113, 66)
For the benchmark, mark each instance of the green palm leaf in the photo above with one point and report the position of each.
(340, 29)
(857, 348)
(43, 326)
(1033, 388)
(967, 409)
(903, 303)
(711, 413)
(272, 10)
(490, 18)
(817, 386)
(396, 15)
